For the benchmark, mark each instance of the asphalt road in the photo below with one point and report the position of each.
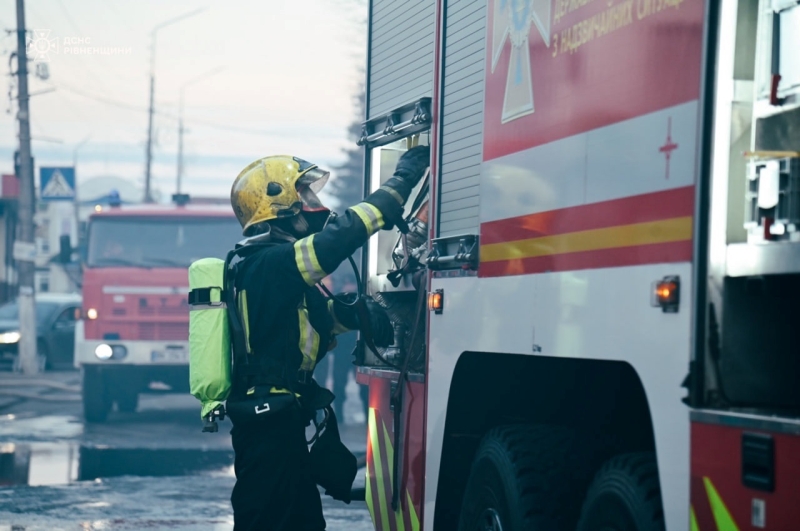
(153, 469)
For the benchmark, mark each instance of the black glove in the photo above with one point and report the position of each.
(412, 165)
(407, 174)
(332, 465)
(379, 323)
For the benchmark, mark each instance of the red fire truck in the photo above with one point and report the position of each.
(133, 337)
(609, 247)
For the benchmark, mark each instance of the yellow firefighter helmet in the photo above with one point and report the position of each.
(276, 187)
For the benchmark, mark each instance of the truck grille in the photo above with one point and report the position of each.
(164, 331)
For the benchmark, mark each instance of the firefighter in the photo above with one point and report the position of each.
(291, 243)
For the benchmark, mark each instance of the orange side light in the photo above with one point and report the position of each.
(436, 301)
(666, 294)
(665, 290)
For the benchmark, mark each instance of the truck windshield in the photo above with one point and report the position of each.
(159, 242)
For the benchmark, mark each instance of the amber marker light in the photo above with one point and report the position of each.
(436, 301)
(666, 294)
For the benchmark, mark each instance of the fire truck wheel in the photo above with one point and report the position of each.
(127, 401)
(96, 402)
(624, 496)
(528, 477)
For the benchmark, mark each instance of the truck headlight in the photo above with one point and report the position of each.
(9, 337)
(103, 351)
(91, 314)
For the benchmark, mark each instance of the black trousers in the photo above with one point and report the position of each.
(274, 490)
(341, 359)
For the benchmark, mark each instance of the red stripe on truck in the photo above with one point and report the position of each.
(615, 257)
(655, 206)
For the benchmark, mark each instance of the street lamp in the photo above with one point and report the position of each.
(192, 81)
(148, 198)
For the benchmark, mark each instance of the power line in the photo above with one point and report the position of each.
(82, 62)
(69, 18)
(233, 128)
(122, 20)
(193, 122)
(101, 99)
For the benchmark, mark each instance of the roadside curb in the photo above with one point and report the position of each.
(16, 388)
(27, 395)
(41, 383)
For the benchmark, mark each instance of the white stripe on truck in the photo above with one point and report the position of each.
(145, 290)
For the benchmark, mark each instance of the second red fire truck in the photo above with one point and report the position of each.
(133, 337)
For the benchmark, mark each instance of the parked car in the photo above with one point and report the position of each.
(56, 315)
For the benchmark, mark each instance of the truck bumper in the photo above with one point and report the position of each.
(130, 352)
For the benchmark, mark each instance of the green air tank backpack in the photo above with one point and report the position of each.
(216, 334)
(209, 339)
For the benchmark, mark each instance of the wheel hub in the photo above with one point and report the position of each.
(490, 521)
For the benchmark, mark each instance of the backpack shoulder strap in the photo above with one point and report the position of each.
(241, 365)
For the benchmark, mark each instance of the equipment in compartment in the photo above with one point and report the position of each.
(772, 194)
(773, 200)
(397, 259)
(409, 325)
(401, 296)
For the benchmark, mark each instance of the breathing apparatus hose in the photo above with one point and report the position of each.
(360, 307)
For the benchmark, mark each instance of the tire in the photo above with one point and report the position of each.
(96, 400)
(127, 401)
(624, 496)
(528, 477)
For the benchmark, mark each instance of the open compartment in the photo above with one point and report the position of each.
(753, 360)
(395, 261)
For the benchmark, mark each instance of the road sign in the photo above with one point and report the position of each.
(57, 184)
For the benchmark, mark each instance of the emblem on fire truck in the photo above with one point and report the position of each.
(512, 22)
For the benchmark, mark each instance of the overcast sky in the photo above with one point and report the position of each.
(289, 70)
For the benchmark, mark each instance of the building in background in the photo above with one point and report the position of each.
(9, 195)
(52, 220)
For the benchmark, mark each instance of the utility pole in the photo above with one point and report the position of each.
(24, 247)
(148, 196)
(180, 152)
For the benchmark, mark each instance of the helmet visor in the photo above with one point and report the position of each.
(309, 185)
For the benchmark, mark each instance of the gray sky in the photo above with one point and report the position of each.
(289, 72)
